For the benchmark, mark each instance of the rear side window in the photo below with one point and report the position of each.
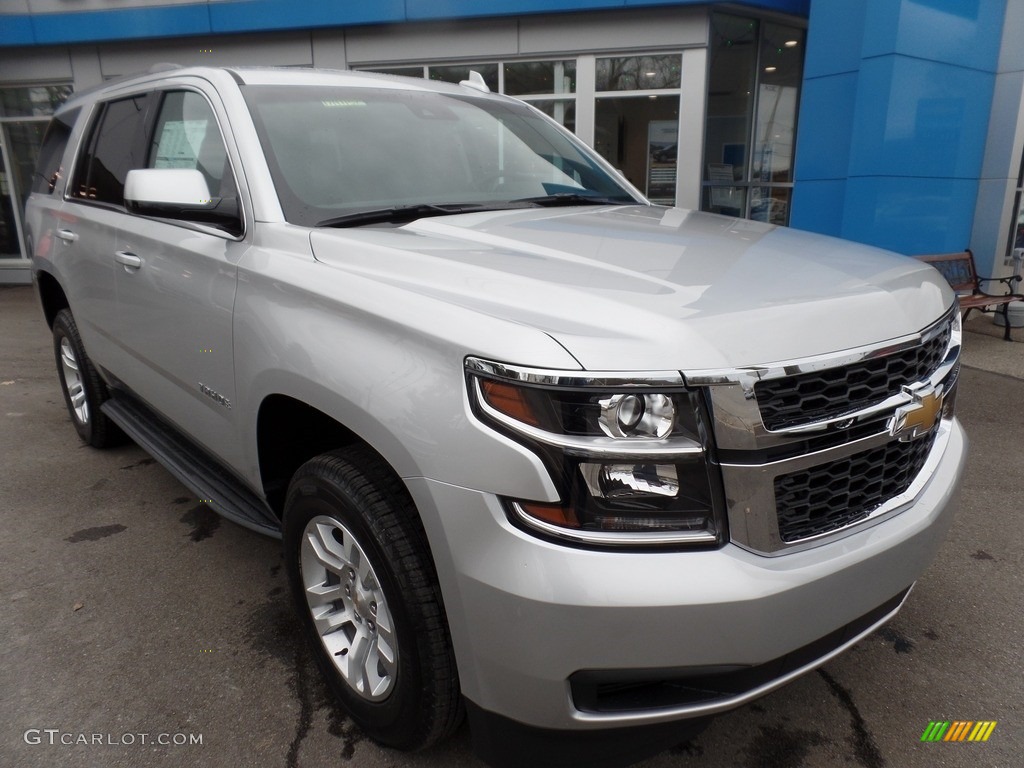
(49, 166)
(115, 145)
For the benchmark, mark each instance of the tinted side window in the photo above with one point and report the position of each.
(114, 147)
(49, 166)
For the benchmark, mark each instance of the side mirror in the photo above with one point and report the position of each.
(179, 193)
(167, 189)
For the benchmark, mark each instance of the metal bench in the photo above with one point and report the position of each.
(962, 276)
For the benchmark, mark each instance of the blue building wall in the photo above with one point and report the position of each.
(894, 118)
(211, 18)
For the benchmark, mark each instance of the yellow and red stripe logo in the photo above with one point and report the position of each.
(958, 730)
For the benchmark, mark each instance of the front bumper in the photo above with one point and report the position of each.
(527, 615)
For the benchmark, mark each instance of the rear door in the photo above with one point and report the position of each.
(85, 230)
(176, 279)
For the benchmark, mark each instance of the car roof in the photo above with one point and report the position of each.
(272, 76)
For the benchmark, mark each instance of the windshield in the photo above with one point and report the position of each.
(338, 151)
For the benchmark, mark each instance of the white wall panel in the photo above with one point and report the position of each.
(329, 49)
(63, 6)
(34, 65)
(992, 218)
(1005, 138)
(1011, 52)
(283, 49)
(85, 65)
(648, 30)
(432, 42)
(692, 105)
(1004, 147)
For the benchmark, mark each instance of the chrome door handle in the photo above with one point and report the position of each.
(130, 260)
(67, 235)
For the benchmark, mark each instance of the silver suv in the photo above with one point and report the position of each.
(586, 468)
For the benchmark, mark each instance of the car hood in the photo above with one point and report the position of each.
(649, 288)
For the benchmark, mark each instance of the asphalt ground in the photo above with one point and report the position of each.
(130, 611)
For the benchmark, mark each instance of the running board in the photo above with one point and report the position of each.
(192, 466)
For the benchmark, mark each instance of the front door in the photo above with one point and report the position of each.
(176, 285)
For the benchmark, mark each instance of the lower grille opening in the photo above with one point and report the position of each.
(638, 690)
(834, 495)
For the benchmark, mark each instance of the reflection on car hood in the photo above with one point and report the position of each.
(638, 287)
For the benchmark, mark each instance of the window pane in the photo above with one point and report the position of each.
(733, 53)
(23, 140)
(49, 167)
(729, 201)
(187, 136)
(530, 77)
(638, 73)
(1016, 239)
(458, 73)
(1016, 229)
(113, 149)
(562, 110)
(32, 100)
(9, 247)
(770, 204)
(403, 71)
(777, 95)
(636, 134)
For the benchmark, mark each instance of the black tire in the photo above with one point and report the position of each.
(410, 698)
(85, 395)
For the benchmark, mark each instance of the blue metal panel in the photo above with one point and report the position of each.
(417, 10)
(270, 15)
(835, 35)
(455, 9)
(18, 29)
(920, 118)
(881, 27)
(917, 107)
(826, 127)
(961, 32)
(911, 216)
(818, 206)
(127, 23)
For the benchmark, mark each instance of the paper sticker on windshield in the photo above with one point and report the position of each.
(343, 103)
(179, 144)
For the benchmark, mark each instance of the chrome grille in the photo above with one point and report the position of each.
(810, 448)
(809, 397)
(834, 495)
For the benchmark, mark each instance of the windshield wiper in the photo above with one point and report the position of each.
(573, 198)
(401, 213)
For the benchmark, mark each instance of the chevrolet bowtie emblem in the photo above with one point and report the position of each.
(916, 419)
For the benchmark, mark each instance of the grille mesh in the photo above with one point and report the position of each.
(809, 397)
(834, 495)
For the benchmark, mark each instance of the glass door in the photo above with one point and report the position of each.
(755, 73)
(636, 120)
(24, 114)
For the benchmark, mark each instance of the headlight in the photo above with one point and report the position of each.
(630, 455)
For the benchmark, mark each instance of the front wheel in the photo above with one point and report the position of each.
(363, 581)
(84, 390)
